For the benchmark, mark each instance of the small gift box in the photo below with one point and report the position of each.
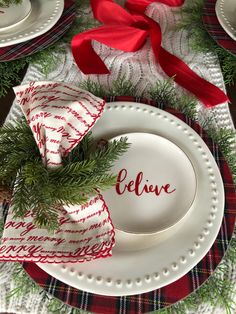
(60, 116)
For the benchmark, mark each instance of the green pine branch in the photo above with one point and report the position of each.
(9, 74)
(16, 143)
(56, 306)
(24, 284)
(226, 139)
(111, 152)
(1, 227)
(120, 87)
(7, 3)
(94, 88)
(201, 41)
(85, 171)
(164, 94)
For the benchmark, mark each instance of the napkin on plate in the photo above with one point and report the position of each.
(60, 115)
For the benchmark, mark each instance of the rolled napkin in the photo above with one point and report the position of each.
(60, 115)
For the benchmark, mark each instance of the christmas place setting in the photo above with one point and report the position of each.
(117, 156)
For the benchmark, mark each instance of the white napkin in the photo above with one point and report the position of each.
(60, 115)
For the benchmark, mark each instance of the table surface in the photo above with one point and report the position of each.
(6, 102)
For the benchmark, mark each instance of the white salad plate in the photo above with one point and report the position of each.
(14, 14)
(43, 16)
(226, 14)
(148, 196)
(144, 262)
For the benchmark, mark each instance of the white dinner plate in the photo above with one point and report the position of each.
(166, 256)
(226, 14)
(148, 196)
(43, 16)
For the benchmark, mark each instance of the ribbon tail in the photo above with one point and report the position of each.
(207, 93)
(124, 38)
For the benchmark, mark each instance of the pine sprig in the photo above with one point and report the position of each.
(110, 153)
(7, 3)
(122, 84)
(85, 171)
(201, 41)
(1, 227)
(164, 94)
(14, 147)
(56, 306)
(226, 139)
(119, 87)
(24, 284)
(9, 74)
(93, 87)
(20, 200)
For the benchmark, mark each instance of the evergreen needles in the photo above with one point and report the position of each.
(9, 74)
(85, 171)
(201, 41)
(24, 283)
(4, 3)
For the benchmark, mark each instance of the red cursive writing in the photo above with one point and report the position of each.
(138, 186)
(26, 226)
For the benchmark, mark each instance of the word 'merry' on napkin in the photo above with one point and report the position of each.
(59, 115)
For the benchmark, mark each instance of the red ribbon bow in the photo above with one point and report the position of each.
(128, 31)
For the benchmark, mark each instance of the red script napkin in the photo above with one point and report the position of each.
(60, 115)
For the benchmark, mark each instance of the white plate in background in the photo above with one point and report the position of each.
(43, 16)
(226, 14)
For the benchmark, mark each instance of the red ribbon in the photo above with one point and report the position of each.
(128, 31)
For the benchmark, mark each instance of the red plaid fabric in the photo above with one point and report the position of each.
(170, 294)
(215, 29)
(41, 42)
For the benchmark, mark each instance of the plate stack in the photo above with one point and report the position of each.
(173, 209)
(31, 26)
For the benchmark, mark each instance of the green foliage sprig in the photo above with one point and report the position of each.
(85, 171)
(201, 41)
(7, 3)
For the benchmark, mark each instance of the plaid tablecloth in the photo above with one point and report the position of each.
(171, 293)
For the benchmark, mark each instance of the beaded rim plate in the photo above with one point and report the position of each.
(226, 14)
(171, 254)
(43, 16)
